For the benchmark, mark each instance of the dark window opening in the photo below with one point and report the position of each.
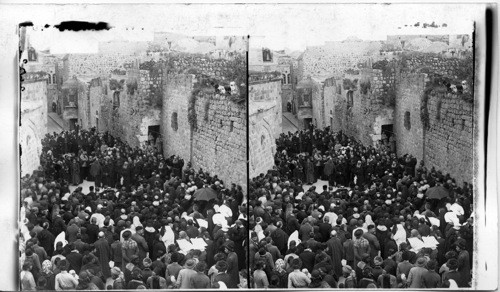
(32, 56)
(175, 126)
(407, 121)
(267, 55)
(54, 78)
(220, 124)
(288, 79)
(231, 126)
(116, 99)
(350, 98)
(463, 124)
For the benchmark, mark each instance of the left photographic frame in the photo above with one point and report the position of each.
(132, 158)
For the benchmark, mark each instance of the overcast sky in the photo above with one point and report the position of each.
(278, 26)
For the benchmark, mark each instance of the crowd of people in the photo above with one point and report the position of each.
(376, 221)
(142, 223)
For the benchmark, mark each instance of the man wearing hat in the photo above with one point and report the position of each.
(186, 275)
(129, 248)
(232, 264)
(416, 274)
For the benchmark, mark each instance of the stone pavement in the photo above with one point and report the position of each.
(292, 119)
(319, 186)
(287, 126)
(85, 186)
(55, 122)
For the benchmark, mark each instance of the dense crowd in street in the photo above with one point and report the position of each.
(378, 221)
(150, 222)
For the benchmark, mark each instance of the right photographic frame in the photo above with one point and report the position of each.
(367, 148)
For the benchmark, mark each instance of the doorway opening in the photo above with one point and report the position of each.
(72, 124)
(153, 133)
(387, 131)
(308, 123)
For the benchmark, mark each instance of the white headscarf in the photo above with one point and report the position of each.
(169, 236)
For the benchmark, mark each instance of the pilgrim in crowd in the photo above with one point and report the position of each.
(146, 221)
(378, 221)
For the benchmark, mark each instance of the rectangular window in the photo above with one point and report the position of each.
(116, 99)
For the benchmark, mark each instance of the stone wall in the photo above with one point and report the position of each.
(177, 141)
(329, 100)
(431, 63)
(449, 141)
(96, 65)
(409, 97)
(33, 123)
(333, 58)
(219, 139)
(140, 105)
(265, 119)
(369, 110)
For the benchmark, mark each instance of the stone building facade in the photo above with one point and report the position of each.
(410, 133)
(33, 120)
(445, 141)
(358, 106)
(219, 143)
(423, 116)
(265, 126)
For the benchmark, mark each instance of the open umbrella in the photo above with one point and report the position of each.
(437, 192)
(205, 194)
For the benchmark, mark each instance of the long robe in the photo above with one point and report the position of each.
(75, 173)
(103, 253)
(336, 251)
(232, 269)
(309, 172)
(464, 266)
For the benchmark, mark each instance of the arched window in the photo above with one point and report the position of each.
(288, 78)
(175, 126)
(407, 121)
(262, 140)
(54, 80)
(283, 80)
